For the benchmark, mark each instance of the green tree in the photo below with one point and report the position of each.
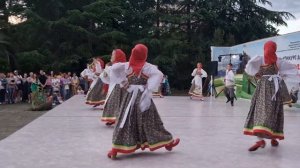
(63, 35)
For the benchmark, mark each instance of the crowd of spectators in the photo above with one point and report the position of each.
(15, 87)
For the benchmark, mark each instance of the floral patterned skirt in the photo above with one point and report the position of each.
(112, 106)
(96, 94)
(266, 118)
(141, 129)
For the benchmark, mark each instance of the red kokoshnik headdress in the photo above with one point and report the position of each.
(138, 58)
(99, 59)
(119, 56)
(270, 56)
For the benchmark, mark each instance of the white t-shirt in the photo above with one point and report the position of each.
(229, 78)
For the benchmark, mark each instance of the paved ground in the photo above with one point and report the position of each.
(71, 136)
(15, 116)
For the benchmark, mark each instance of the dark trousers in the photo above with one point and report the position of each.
(2, 95)
(11, 98)
(25, 91)
(229, 93)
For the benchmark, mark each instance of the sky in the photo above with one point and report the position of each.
(292, 6)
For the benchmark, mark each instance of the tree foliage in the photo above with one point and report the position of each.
(62, 35)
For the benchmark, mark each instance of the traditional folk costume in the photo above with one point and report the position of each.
(114, 96)
(265, 118)
(139, 124)
(197, 83)
(97, 93)
(229, 86)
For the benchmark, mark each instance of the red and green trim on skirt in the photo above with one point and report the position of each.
(131, 149)
(261, 130)
(155, 94)
(108, 119)
(90, 102)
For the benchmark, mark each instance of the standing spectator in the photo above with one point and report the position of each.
(42, 78)
(66, 87)
(56, 89)
(29, 80)
(11, 88)
(166, 86)
(25, 88)
(61, 86)
(75, 84)
(18, 91)
(87, 74)
(48, 85)
(3, 83)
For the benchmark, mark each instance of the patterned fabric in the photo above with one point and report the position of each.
(112, 107)
(38, 98)
(265, 118)
(141, 129)
(96, 95)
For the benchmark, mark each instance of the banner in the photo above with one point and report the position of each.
(288, 48)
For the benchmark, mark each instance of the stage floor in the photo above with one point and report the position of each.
(72, 136)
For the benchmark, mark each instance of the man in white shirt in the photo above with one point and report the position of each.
(87, 75)
(229, 84)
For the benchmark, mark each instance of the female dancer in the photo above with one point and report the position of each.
(265, 118)
(139, 124)
(113, 101)
(196, 88)
(97, 94)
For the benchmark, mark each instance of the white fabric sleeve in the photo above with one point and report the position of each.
(117, 73)
(155, 76)
(288, 72)
(98, 67)
(105, 75)
(194, 73)
(204, 74)
(287, 68)
(253, 65)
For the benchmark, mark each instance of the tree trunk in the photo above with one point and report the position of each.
(188, 22)
(157, 33)
(12, 59)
